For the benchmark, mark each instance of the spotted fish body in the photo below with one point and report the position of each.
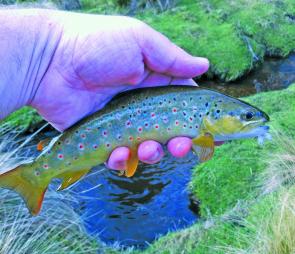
(154, 113)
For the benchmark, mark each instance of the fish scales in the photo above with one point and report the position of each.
(129, 119)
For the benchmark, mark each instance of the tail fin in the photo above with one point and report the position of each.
(31, 193)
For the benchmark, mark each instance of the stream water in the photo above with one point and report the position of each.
(135, 211)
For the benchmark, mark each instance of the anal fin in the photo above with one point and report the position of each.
(203, 146)
(69, 178)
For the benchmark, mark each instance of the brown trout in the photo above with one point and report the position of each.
(159, 114)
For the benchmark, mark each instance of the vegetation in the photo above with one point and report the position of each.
(234, 35)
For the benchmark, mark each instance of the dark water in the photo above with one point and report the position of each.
(274, 74)
(134, 211)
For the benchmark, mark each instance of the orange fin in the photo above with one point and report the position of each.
(203, 146)
(69, 178)
(132, 163)
(30, 191)
(42, 144)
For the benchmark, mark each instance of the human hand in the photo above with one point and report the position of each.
(95, 58)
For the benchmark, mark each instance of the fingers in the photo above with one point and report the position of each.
(118, 158)
(161, 55)
(180, 146)
(158, 79)
(150, 152)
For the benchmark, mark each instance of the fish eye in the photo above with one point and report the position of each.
(249, 115)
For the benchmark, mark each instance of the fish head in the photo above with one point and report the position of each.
(230, 118)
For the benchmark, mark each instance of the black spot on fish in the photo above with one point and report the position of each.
(200, 115)
(160, 103)
(190, 98)
(207, 113)
(217, 111)
(206, 104)
(184, 113)
(123, 107)
(215, 105)
(174, 99)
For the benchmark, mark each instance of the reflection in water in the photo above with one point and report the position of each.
(274, 74)
(136, 210)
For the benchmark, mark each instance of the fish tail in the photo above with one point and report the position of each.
(30, 191)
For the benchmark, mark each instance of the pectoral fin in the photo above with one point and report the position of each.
(203, 146)
(131, 164)
(69, 178)
(42, 144)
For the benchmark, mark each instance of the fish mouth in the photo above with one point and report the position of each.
(258, 131)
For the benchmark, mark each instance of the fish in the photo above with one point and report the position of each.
(158, 113)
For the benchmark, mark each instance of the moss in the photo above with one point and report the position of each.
(23, 118)
(234, 35)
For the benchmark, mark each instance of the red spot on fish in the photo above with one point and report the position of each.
(138, 138)
(174, 110)
(191, 119)
(176, 122)
(60, 156)
(88, 129)
(139, 129)
(105, 133)
(83, 136)
(45, 166)
(153, 114)
(81, 146)
(130, 138)
(95, 146)
(157, 126)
